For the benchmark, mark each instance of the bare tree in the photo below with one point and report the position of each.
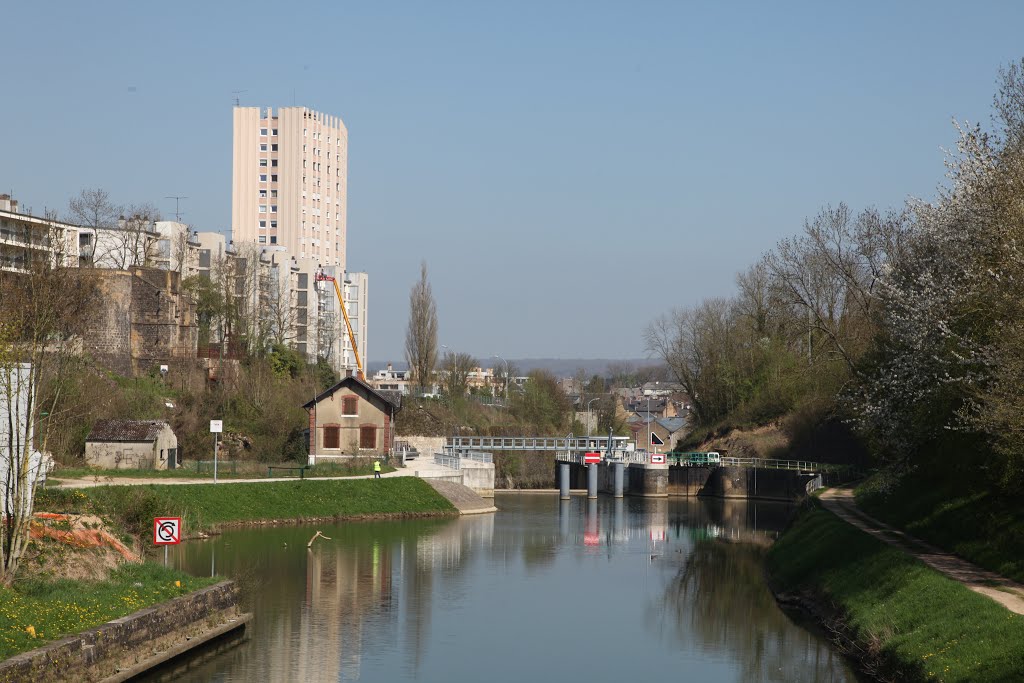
(92, 208)
(421, 334)
(131, 242)
(182, 251)
(41, 314)
(457, 367)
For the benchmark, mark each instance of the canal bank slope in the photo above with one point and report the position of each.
(208, 507)
(901, 619)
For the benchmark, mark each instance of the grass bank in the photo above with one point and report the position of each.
(226, 469)
(978, 525)
(205, 506)
(34, 611)
(907, 621)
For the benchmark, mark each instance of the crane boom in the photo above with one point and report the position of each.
(348, 323)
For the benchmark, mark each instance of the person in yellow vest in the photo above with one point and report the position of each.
(376, 469)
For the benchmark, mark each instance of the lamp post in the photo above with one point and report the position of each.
(649, 439)
(447, 351)
(589, 417)
(506, 377)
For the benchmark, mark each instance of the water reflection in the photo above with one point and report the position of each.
(677, 583)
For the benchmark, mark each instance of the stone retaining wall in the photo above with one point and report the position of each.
(119, 645)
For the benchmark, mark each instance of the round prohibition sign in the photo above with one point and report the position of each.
(167, 530)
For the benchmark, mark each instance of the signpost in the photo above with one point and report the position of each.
(591, 458)
(216, 427)
(166, 531)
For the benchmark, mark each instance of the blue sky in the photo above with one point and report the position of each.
(568, 170)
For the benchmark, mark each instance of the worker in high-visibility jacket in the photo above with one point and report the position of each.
(376, 469)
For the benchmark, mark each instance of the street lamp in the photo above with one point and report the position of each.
(590, 418)
(447, 353)
(649, 438)
(506, 376)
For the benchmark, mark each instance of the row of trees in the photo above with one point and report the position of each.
(908, 324)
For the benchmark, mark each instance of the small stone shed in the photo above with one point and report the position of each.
(349, 419)
(132, 445)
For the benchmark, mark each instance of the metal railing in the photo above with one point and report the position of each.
(621, 455)
(760, 463)
(449, 461)
(535, 443)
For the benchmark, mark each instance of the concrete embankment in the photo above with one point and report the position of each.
(466, 500)
(126, 647)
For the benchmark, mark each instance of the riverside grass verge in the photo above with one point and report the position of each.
(227, 469)
(908, 622)
(35, 611)
(976, 523)
(209, 506)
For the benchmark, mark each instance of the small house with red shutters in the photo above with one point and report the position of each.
(351, 419)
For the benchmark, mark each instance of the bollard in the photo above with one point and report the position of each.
(563, 480)
(620, 478)
(592, 480)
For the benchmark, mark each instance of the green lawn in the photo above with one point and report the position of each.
(926, 626)
(226, 469)
(205, 505)
(980, 526)
(58, 608)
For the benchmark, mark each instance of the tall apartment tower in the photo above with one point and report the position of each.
(290, 181)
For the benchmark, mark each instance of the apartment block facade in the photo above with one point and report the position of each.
(26, 240)
(290, 181)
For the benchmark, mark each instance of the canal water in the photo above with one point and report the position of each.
(543, 590)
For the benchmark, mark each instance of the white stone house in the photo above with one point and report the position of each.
(132, 445)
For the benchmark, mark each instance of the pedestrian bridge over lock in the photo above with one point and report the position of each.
(623, 469)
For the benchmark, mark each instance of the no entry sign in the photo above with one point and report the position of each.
(591, 458)
(167, 530)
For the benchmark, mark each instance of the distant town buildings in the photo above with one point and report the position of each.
(277, 269)
(27, 239)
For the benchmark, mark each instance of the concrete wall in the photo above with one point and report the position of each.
(478, 476)
(120, 644)
(426, 445)
(145, 321)
(737, 482)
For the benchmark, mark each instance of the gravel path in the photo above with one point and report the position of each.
(1006, 592)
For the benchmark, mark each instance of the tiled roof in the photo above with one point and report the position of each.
(672, 424)
(126, 430)
(387, 396)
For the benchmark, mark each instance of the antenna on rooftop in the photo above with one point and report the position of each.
(236, 93)
(177, 205)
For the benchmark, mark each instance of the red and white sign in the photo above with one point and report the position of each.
(591, 458)
(167, 530)
(657, 458)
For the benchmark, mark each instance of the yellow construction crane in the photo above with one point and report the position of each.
(320, 277)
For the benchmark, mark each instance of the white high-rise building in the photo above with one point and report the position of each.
(290, 181)
(290, 196)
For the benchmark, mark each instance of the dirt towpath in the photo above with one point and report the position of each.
(1006, 592)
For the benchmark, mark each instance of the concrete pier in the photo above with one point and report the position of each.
(563, 480)
(592, 480)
